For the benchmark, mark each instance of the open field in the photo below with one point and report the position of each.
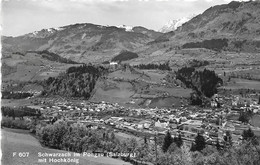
(155, 75)
(255, 121)
(233, 117)
(15, 102)
(32, 87)
(243, 84)
(32, 67)
(167, 102)
(176, 91)
(136, 86)
(127, 75)
(124, 136)
(119, 92)
(20, 141)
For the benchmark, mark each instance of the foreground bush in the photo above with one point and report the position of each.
(17, 123)
(77, 138)
(20, 112)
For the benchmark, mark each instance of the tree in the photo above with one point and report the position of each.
(195, 99)
(244, 118)
(145, 140)
(186, 157)
(228, 138)
(167, 141)
(173, 147)
(143, 151)
(32, 125)
(193, 147)
(112, 136)
(248, 135)
(132, 145)
(200, 142)
(218, 145)
(178, 140)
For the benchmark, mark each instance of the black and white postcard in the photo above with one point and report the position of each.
(130, 82)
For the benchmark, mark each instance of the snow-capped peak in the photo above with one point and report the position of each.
(174, 24)
(45, 32)
(58, 28)
(127, 28)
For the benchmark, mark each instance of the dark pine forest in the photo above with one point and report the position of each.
(75, 82)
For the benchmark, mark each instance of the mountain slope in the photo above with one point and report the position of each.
(229, 27)
(233, 20)
(236, 23)
(81, 42)
(236, 20)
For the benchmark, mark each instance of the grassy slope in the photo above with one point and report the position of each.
(243, 83)
(32, 67)
(20, 141)
(144, 87)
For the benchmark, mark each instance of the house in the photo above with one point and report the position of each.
(161, 124)
(213, 103)
(140, 126)
(243, 102)
(145, 124)
(113, 63)
(197, 123)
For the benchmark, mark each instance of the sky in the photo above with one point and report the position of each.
(19, 17)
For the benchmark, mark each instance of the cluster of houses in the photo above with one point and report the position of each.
(213, 123)
(72, 111)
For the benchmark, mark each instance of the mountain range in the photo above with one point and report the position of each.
(237, 23)
(236, 20)
(80, 40)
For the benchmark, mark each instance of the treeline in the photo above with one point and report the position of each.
(20, 112)
(162, 38)
(198, 63)
(245, 45)
(242, 75)
(13, 117)
(164, 66)
(225, 44)
(15, 95)
(53, 57)
(247, 152)
(15, 123)
(204, 83)
(214, 44)
(76, 82)
(79, 138)
(125, 56)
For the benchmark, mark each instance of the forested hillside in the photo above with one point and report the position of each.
(76, 82)
(204, 83)
(214, 44)
(124, 56)
(164, 66)
(53, 57)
